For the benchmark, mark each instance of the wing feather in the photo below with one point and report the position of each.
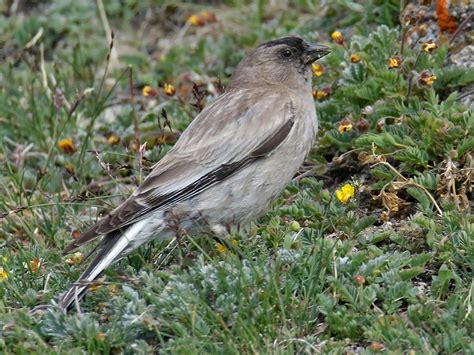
(216, 144)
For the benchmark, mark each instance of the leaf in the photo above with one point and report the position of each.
(420, 196)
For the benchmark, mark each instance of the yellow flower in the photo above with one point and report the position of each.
(202, 18)
(345, 193)
(427, 78)
(149, 91)
(337, 37)
(317, 69)
(75, 258)
(67, 145)
(5, 259)
(196, 20)
(429, 46)
(322, 94)
(234, 242)
(3, 274)
(146, 90)
(355, 58)
(394, 62)
(169, 89)
(344, 127)
(221, 248)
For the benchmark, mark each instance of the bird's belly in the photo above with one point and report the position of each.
(248, 193)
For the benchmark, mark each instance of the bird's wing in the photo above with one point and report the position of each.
(238, 128)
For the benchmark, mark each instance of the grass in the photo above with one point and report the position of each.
(390, 270)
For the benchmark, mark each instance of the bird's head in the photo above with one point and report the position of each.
(284, 61)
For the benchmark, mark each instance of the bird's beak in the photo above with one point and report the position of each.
(315, 52)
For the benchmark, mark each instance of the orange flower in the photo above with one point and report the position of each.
(317, 69)
(355, 58)
(67, 145)
(35, 265)
(426, 78)
(337, 37)
(429, 46)
(394, 62)
(445, 21)
(169, 89)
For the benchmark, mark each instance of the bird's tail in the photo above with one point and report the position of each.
(112, 248)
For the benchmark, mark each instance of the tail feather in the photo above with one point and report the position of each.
(112, 248)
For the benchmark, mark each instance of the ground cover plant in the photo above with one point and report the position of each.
(370, 249)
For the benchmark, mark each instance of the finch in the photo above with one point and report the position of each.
(232, 161)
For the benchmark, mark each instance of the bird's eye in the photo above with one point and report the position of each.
(287, 53)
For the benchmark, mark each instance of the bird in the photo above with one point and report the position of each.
(236, 156)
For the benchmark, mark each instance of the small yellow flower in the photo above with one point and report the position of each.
(196, 20)
(67, 145)
(394, 62)
(3, 274)
(427, 78)
(428, 47)
(345, 127)
(75, 258)
(35, 265)
(337, 37)
(355, 58)
(5, 259)
(321, 94)
(169, 89)
(234, 242)
(345, 193)
(317, 69)
(149, 91)
(221, 248)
